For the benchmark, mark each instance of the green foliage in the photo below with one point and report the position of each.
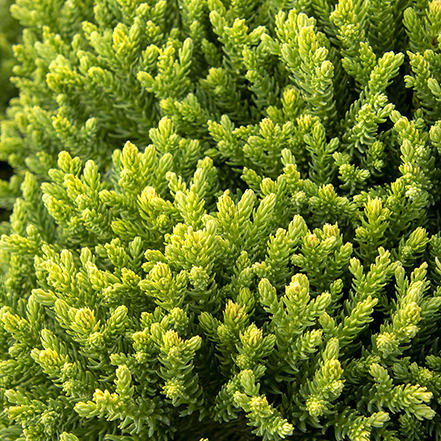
(9, 34)
(225, 221)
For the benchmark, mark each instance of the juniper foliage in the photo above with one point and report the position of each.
(226, 221)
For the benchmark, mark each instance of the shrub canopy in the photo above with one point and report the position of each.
(225, 222)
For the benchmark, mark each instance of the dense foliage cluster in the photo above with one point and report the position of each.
(9, 34)
(226, 221)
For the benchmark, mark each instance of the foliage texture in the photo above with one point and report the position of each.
(226, 221)
(9, 34)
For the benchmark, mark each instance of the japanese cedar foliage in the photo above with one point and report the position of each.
(225, 221)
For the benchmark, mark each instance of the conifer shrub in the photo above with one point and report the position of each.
(9, 34)
(226, 221)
